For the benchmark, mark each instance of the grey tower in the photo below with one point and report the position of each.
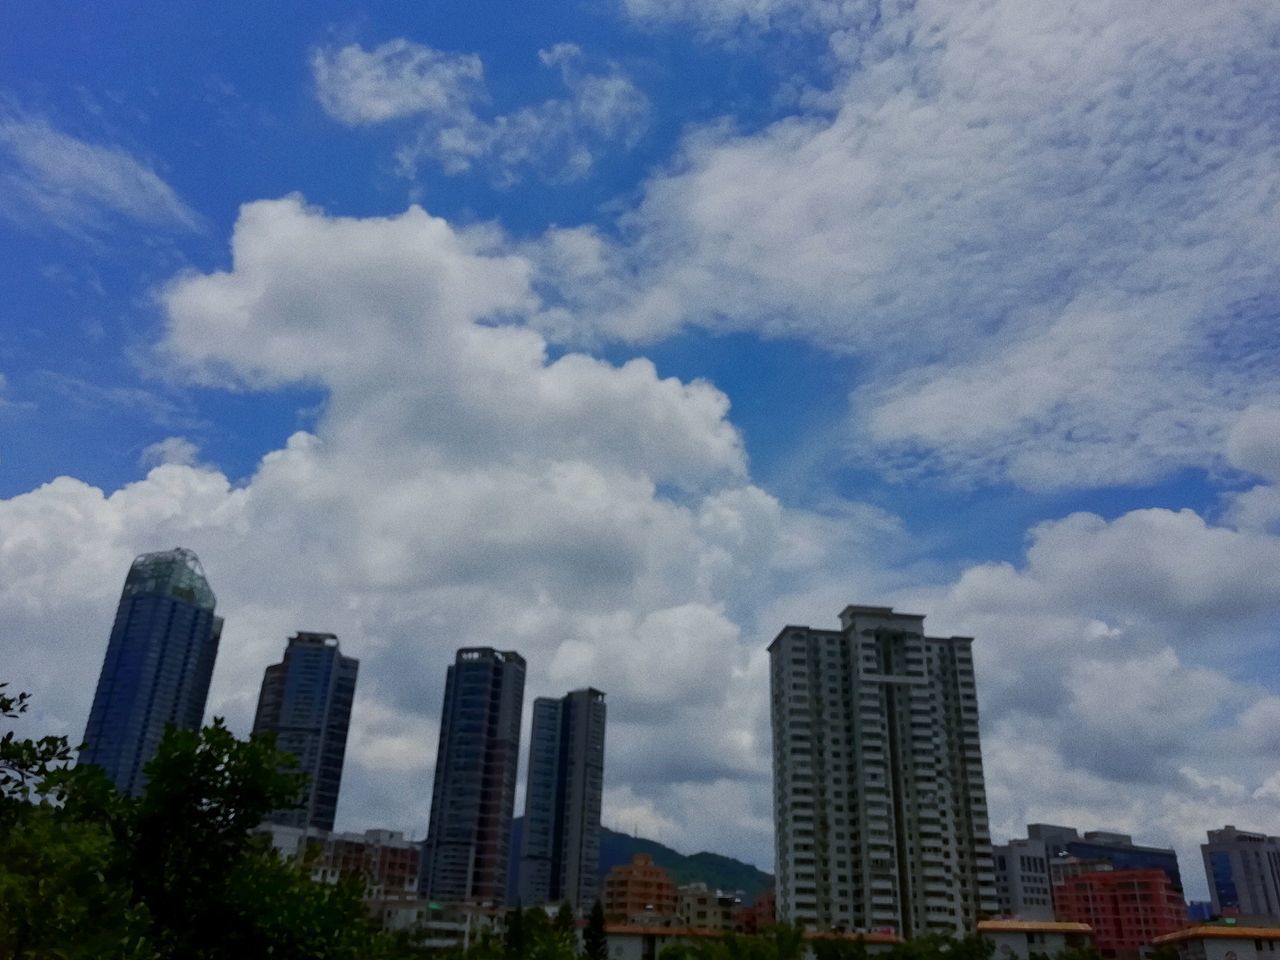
(464, 858)
(306, 702)
(1243, 870)
(560, 854)
(158, 665)
(879, 805)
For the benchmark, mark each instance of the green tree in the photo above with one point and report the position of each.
(595, 942)
(513, 937)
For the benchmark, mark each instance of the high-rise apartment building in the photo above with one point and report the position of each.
(157, 668)
(464, 858)
(879, 805)
(560, 855)
(1243, 870)
(640, 888)
(306, 702)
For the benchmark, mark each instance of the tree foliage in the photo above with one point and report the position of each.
(595, 942)
(176, 874)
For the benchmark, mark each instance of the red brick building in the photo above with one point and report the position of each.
(758, 917)
(1127, 909)
(639, 887)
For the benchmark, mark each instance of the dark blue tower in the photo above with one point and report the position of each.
(306, 703)
(158, 665)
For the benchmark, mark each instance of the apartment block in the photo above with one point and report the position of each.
(879, 802)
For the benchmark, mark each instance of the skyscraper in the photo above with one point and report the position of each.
(306, 702)
(879, 805)
(464, 858)
(158, 665)
(560, 855)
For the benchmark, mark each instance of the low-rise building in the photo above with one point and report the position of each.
(639, 888)
(1224, 941)
(635, 942)
(697, 905)
(1019, 939)
(758, 916)
(1127, 909)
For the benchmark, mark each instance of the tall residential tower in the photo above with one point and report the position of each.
(560, 853)
(879, 806)
(306, 702)
(464, 858)
(158, 665)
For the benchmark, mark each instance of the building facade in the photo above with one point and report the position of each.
(639, 889)
(879, 803)
(1068, 846)
(1025, 939)
(1023, 882)
(1126, 909)
(706, 908)
(1243, 870)
(305, 702)
(464, 858)
(560, 849)
(157, 668)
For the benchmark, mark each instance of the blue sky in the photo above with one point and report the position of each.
(623, 333)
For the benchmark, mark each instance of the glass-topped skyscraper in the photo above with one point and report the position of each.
(306, 702)
(158, 665)
(464, 858)
(560, 855)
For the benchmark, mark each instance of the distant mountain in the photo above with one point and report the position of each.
(716, 871)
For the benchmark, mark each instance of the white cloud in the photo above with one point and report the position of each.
(561, 138)
(1042, 226)
(50, 178)
(462, 488)
(177, 450)
(397, 79)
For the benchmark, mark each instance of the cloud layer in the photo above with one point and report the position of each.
(462, 487)
(1049, 230)
(560, 139)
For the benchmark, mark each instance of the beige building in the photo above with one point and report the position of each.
(699, 906)
(880, 811)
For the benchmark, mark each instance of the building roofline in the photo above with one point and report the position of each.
(1032, 926)
(1206, 931)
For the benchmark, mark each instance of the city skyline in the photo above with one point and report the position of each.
(306, 699)
(633, 330)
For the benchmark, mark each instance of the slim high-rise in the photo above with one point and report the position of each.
(158, 665)
(560, 852)
(879, 804)
(464, 858)
(306, 702)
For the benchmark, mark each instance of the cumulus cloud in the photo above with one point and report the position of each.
(50, 178)
(464, 487)
(1116, 675)
(561, 139)
(461, 488)
(1043, 226)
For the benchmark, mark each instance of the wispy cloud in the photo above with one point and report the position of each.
(1048, 230)
(50, 178)
(560, 138)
